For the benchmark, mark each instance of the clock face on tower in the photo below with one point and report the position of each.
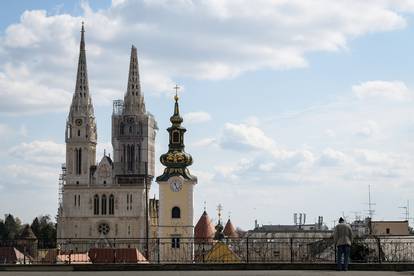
(78, 122)
(176, 185)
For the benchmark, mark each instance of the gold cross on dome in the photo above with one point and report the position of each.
(176, 87)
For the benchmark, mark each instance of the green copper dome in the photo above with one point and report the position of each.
(176, 160)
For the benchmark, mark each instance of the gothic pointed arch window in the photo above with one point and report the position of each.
(78, 161)
(96, 205)
(103, 211)
(130, 157)
(121, 128)
(175, 212)
(111, 204)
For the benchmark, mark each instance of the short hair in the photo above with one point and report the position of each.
(341, 220)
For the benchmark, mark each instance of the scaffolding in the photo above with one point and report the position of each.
(62, 182)
(118, 107)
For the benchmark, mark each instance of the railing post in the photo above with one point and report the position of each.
(158, 251)
(247, 249)
(379, 250)
(291, 249)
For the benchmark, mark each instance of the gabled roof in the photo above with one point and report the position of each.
(27, 233)
(204, 228)
(230, 231)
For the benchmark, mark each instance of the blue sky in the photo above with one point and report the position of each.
(290, 106)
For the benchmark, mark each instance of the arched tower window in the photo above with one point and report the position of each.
(175, 212)
(78, 161)
(96, 205)
(176, 137)
(111, 204)
(130, 157)
(121, 128)
(103, 211)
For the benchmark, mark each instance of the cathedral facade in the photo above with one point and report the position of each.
(106, 203)
(108, 199)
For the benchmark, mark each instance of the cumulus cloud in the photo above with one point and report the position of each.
(243, 136)
(391, 90)
(211, 40)
(197, 117)
(41, 152)
(205, 142)
(29, 176)
(331, 157)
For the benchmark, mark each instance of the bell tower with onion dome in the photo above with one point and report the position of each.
(176, 226)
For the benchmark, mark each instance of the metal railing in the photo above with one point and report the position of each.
(189, 250)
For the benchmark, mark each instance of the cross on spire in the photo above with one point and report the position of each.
(176, 87)
(219, 209)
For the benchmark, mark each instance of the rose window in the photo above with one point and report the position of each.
(103, 228)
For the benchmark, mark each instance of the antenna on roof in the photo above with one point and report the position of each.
(406, 211)
(370, 204)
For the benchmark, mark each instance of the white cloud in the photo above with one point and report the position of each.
(197, 117)
(331, 157)
(368, 129)
(227, 38)
(41, 152)
(243, 136)
(205, 142)
(29, 176)
(394, 90)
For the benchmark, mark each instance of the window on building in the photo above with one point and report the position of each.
(130, 157)
(175, 212)
(175, 242)
(176, 137)
(69, 132)
(78, 161)
(75, 199)
(79, 200)
(111, 204)
(103, 211)
(96, 205)
(121, 129)
(78, 132)
(387, 230)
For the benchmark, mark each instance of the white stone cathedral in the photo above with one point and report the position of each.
(108, 199)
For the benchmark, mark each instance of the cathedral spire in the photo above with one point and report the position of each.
(133, 100)
(82, 86)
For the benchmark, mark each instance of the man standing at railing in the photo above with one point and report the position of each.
(343, 240)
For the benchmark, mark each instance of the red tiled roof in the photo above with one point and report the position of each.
(204, 228)
(116, 255)
(10, 255)
(229, 230)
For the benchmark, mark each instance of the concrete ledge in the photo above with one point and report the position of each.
(205, 267)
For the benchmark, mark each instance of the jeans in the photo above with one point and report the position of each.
(342, 257)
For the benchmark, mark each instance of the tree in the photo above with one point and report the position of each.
(2, 230)
(45, 231)
(12, 227)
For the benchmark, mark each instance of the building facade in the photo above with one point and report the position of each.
(108, 199)
(176, 184)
